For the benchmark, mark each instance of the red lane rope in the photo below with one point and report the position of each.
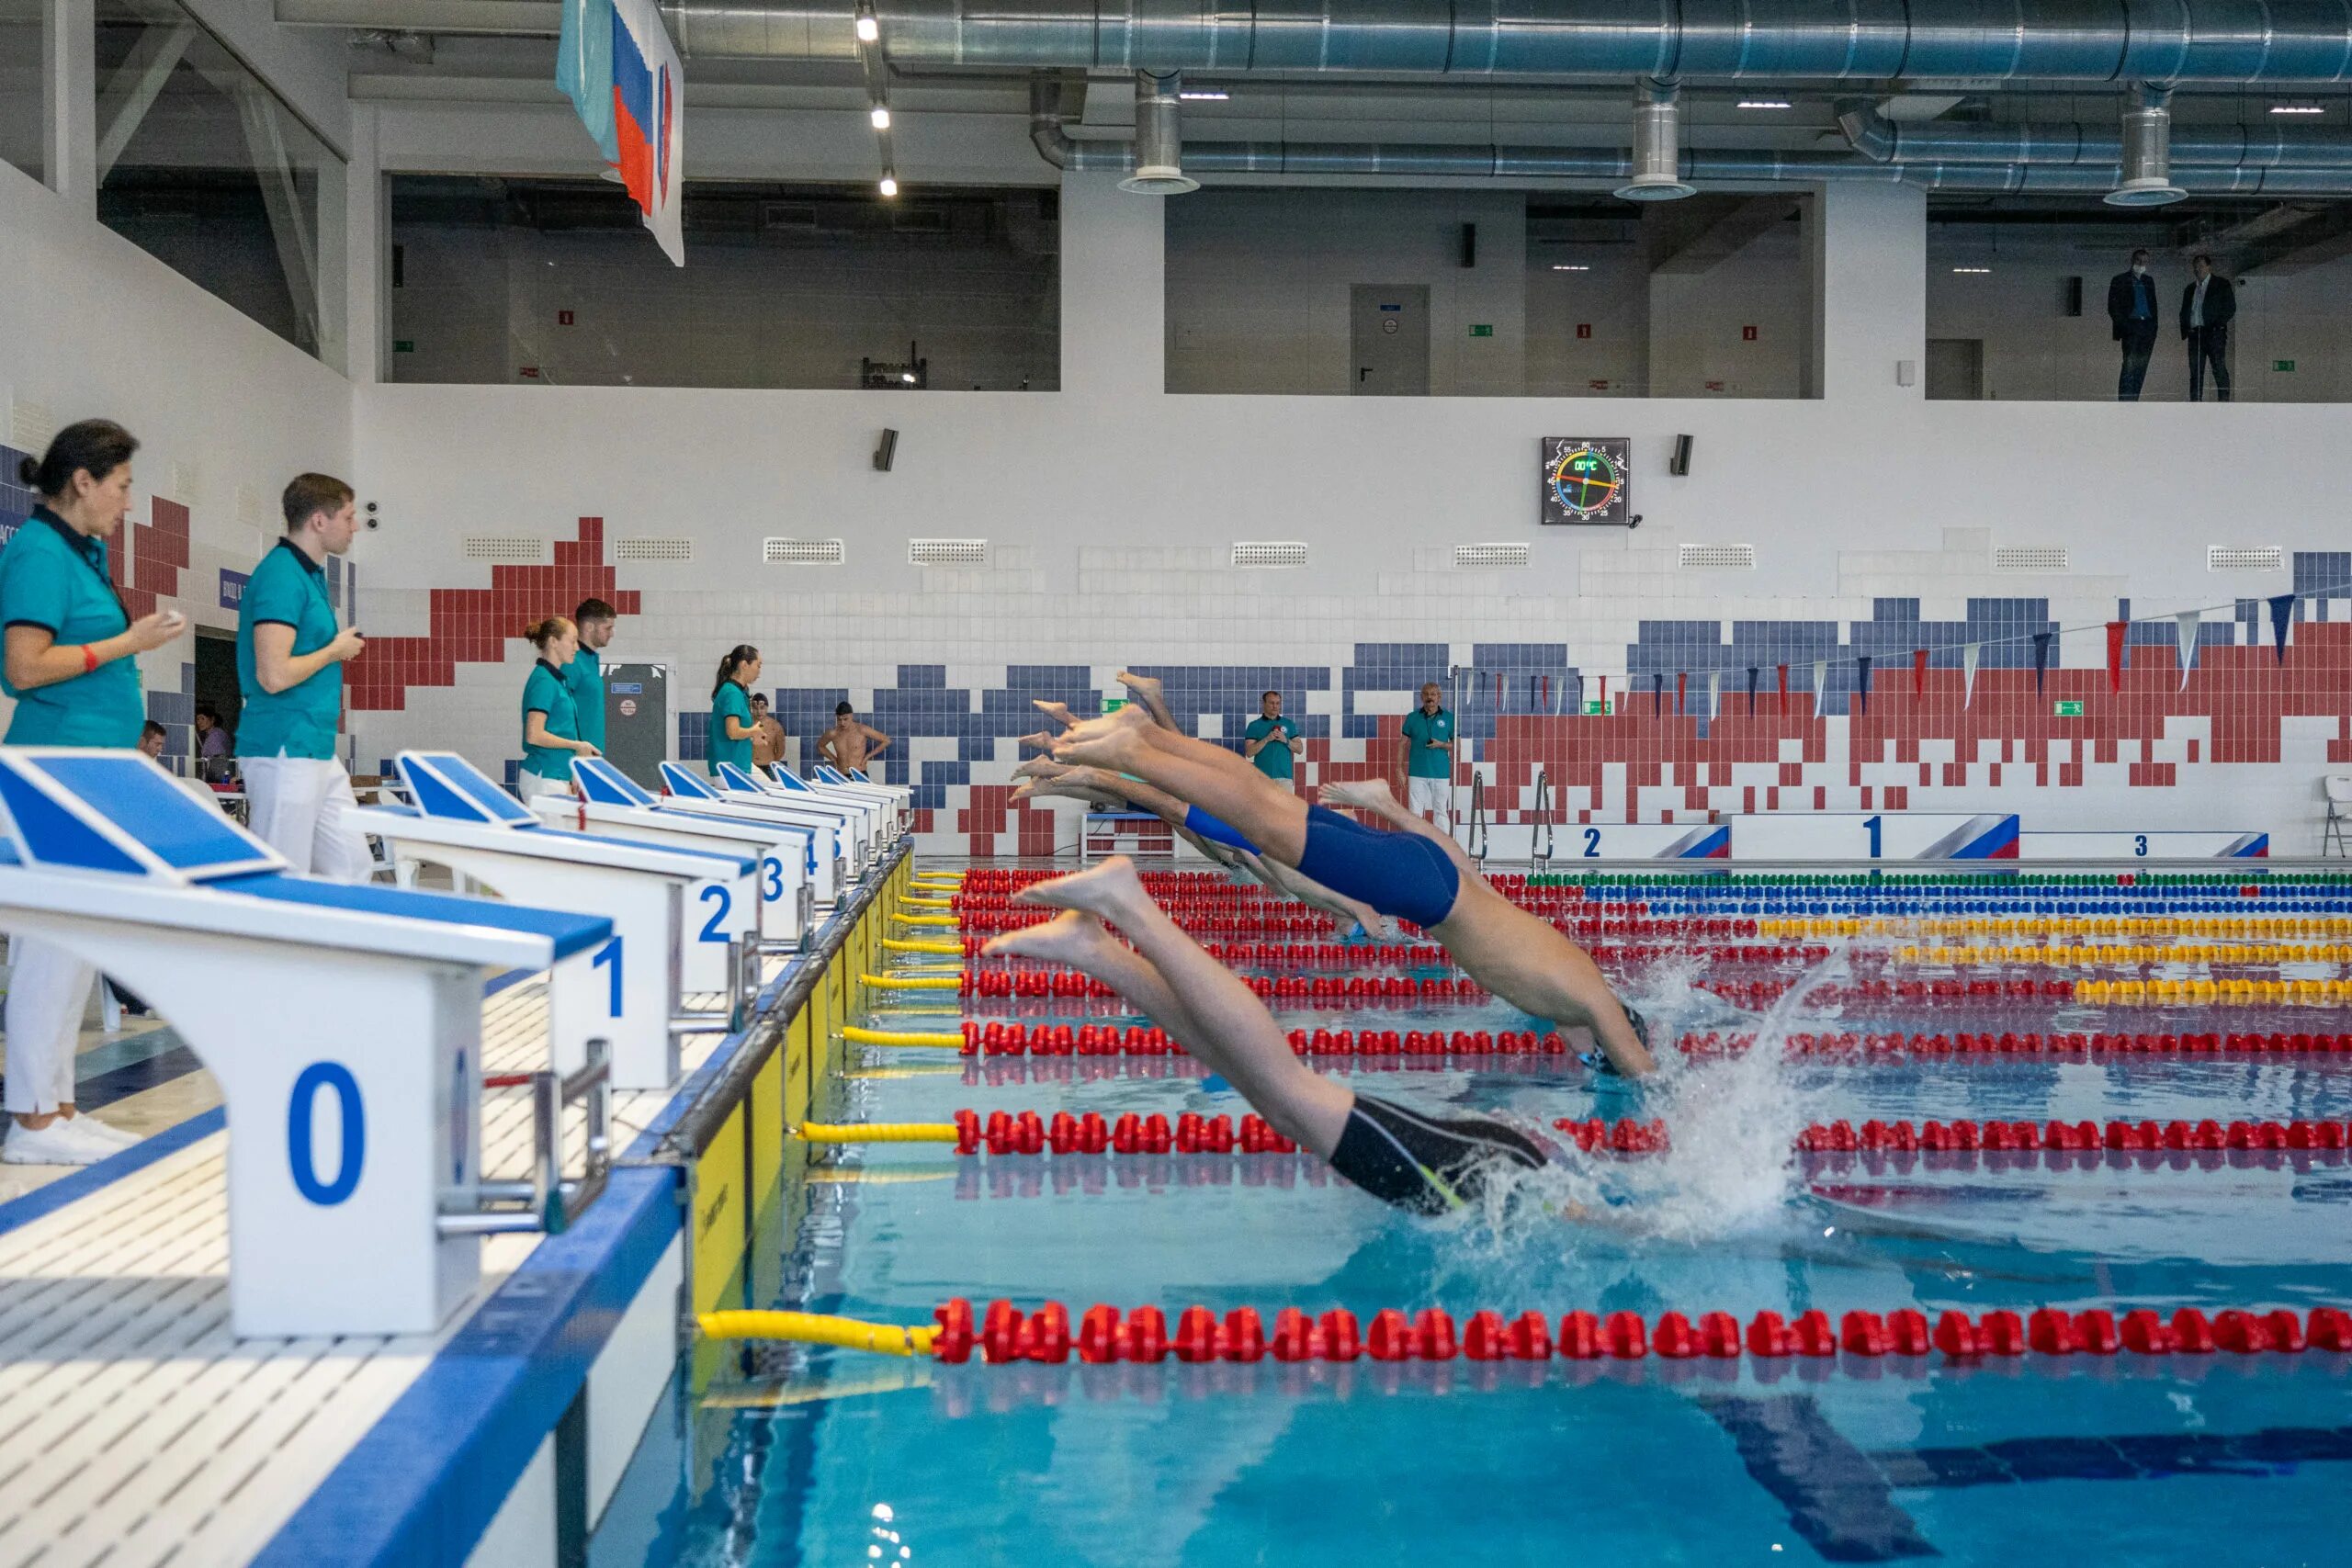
(1029, 1133)
(1104, 1335)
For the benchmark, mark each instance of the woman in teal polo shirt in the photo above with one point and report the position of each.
(72, 664)
(550, 717)
(731, 708)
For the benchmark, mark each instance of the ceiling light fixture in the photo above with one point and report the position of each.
(868, 30)
(2297, 109)
(1978, 269)
(889, 185)
(1765, 104)
(1204, 95)
(881, 117)
(1568, 267)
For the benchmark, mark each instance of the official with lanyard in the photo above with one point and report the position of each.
(291, 655)
(71, 665)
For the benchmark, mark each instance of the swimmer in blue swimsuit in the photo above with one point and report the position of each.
(1414, 872)
(1426, 1164)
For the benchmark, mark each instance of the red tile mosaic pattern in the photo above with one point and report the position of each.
(155, 553)
(474, 626)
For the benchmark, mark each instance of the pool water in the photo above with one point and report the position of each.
(793, 1457)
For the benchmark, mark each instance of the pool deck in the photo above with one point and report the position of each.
(134, 1429)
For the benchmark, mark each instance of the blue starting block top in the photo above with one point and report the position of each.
(740, 781)
(445, 784)
(600, 784)
(687, 785)
(116, 814)
(789, 779)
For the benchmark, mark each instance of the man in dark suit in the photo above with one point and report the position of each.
(2207, 307)
(2131, 307)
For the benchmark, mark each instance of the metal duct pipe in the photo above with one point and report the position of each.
(1657, 144)
(1160, 139)
(1615, 166)
(2147, 152)
(2223, 146)
(2070, 40)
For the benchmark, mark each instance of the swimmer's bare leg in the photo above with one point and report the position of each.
(1373, 798)
(1217, 780)
(1235, 1035)
(1149, 691)
(1132, 717)
(1083, 943)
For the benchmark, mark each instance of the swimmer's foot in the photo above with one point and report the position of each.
(1041, 741)
(1066, 788)
(1114, 750)
(1359, 795)
(1059, 712)
(1073, 937)
(1133, 718)
(1041, 767)
(1145, 688)
(1109, 890)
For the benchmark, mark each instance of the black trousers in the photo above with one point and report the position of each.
(2209, 345)
(2137, 348)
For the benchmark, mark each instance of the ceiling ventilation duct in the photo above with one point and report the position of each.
(2146, 174)
(1657, 144)
(1160, 139)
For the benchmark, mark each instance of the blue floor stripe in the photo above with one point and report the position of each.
(18, 1213)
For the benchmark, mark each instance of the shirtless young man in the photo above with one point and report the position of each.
(1425, 1164)
(849, 745)
(1415, 873)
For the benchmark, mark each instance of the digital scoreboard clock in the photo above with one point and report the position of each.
(1587, 480)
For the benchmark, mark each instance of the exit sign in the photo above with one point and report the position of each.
(1482, 328)
(1595, 705)
(2068, 710)
(1113, 705)
(405, 346)
(2283, 365)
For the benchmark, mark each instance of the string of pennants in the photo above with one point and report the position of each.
(2187, 624)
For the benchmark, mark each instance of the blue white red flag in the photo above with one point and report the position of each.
(648, 123)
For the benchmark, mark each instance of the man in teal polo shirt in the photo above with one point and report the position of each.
(585, 674)
(290, 670)
(1428, 760)
(1270, 739)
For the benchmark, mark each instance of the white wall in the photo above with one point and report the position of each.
(1111, 503)
(227, 413)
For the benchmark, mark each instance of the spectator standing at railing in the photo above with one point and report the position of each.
(71, 662)
(2132, 311)
(2207, 306)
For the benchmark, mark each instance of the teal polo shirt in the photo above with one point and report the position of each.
(730, 699)
(53, 577)
(586, 677)
(1420, 728)
(287, 589)
(549, 691)
(1273, 759)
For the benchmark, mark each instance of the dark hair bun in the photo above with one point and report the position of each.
(28, 471)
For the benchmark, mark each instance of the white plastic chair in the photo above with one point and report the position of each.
(2338, 787)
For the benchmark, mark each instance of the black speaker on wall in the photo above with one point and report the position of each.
(1469, 244)
(887, 451)
(2071, 299)
(1679, 463)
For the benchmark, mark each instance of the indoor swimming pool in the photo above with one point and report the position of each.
(1799, 1018)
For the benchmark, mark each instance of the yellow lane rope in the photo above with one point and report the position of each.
(816, 1328)
(948, 923)
(906, 902)
(879, 1132)
(913, 981)
(928, 1041)
(897, 945)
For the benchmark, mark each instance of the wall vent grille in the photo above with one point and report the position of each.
(2030, 558)
(803, 552)
(1717, 557)
(947, 552)
(505, 551)
(2245, 557)
(653, 549)
(1269, 552)
(1477, 557)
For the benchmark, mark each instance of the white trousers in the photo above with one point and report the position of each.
(1433, 798)
(530, 786)
(297, 806)
(47, 988)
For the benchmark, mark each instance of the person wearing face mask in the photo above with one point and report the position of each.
(71, 663)
(2131, 309)
(291, 655)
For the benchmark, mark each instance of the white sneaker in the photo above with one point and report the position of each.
(60, 1143)
(105, 1132)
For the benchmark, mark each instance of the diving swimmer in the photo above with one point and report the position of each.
(1414, 874)
(1425, 1164)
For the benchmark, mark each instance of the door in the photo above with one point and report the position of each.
(637, 720)
(1956, 369)
(1390, 337)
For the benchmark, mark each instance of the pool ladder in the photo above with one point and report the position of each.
(1540, 852)
(1478, 850)
(549, 1202)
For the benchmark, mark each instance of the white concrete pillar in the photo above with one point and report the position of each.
(1115, 293)
(366, 251)
(1866, 249)
(70, 101)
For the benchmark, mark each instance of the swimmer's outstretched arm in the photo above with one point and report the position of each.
(1228, 1028)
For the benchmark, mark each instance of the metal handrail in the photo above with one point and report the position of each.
(1540, 849)
(549, 1202)
(1477, 850)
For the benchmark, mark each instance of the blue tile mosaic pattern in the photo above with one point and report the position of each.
(15, 500)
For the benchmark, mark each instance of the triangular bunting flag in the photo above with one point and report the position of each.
(1969, 654)
(1862, 678)
(2282, 610)
(1714, 693)
(1918, 672)
(1784, 690)
(1820, 685)
(2116, 633)
(2041, 656)
(1681, 691)
(2185, 630)
(1754, 670)
(1658, 693)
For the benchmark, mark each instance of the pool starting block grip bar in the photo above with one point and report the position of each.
(1104, 1335)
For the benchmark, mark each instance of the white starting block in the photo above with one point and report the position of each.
(862, 820)
(609, 802)
(343, 1024)
(836, 835)
(664, 901)
(898, 798)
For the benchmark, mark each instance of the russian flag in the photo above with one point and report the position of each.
(647, 137)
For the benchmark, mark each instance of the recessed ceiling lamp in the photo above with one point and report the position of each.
(1204, 95)
(1972, 269)
(2297, 109)
(1568, 267)
(1764, 102)
(881, 117)
(868, 30)
(889, 185)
